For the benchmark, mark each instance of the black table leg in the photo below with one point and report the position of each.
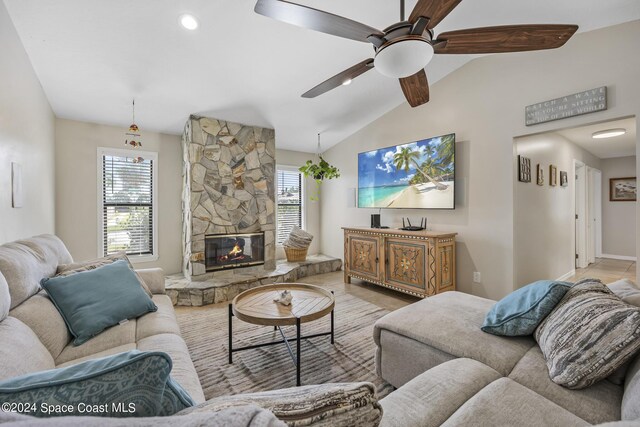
(298, 354)
(230, 334)
(332, 335)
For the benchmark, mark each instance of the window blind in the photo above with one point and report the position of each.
(289, 203)
(127, 205)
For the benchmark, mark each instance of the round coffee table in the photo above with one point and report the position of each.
(257, 306)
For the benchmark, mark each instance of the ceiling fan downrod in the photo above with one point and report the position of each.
(401, 10)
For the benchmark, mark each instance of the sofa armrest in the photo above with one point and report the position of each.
(336, 405)
(153, 278)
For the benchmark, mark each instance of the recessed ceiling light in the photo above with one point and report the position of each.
(609, 133)
(189, 22)
(346, 82)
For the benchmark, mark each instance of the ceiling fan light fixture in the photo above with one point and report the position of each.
(403, 58)
(189, 21)
(608, 133)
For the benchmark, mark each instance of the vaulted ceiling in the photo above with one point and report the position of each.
(93, 56)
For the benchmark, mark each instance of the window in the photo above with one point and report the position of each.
(289, 201)
(127, 203)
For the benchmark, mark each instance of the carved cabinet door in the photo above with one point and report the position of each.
(446, 270)
(405, 262)
(363, 256)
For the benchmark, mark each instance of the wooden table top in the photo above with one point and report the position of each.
(257, 305)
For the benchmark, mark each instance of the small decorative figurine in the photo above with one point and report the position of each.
(284, 298)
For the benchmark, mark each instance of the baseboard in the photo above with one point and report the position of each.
(566, 276)
(620, 257)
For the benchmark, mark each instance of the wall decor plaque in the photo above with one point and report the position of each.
(524, 169)
(577, 104)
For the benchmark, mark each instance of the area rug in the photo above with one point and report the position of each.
(268, 368)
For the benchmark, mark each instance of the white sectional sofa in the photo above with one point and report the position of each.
(35, 337)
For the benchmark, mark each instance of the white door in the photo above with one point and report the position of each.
(597, 213)
(580, 213)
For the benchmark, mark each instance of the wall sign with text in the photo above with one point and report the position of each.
(573, 105)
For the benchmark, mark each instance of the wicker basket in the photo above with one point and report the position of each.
(296, 255)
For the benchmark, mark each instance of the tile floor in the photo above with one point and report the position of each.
(607, 270)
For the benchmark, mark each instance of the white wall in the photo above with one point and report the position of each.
(77, 188)
(483, 103)
(312, 208)
(26, 137)
(544, 225)
(618, 218)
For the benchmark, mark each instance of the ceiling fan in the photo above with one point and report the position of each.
(405, 48)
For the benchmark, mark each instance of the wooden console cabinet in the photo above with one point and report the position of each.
(420, 263)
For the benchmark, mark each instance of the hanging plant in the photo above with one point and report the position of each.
(319, 172)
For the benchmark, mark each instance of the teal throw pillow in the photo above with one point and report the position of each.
(94, 300)
(520, 312)
(130, 384)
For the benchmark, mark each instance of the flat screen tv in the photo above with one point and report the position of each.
(417, 175)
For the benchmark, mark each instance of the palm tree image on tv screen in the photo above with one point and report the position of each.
(418, 175)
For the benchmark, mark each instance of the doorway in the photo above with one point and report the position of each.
(565, 226)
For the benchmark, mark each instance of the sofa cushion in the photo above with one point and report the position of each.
(39, 314)
(631, 398)
(132, 384)
(109, 352)
(520, 312)
(154, 279)
(94, 300)
(450, 322)
(5, 298)
(114, 336)
(183, 370)
(24, 263)
(78, 267)
(396, 358)
(626, 290)
(507, 403)
(433, 396)
(162, 321)
(596, 404)
(589, 335)
(21, 352)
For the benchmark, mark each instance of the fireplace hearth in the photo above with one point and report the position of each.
(224, 251)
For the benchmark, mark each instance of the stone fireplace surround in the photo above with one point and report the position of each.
(228, 188)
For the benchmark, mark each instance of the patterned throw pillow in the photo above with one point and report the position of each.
(130, 384)
(78, 267)
(589, 334)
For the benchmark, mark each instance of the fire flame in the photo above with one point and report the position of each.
(236, 250)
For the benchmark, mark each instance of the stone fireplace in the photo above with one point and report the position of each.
(224, 251)
(228, 197)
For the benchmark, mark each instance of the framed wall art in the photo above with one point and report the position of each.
(539, 175)
(564, 179)
(622, 189)
(553, 175)
(524, 169)
(16, 185)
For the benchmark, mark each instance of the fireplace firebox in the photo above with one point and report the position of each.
(223, 251)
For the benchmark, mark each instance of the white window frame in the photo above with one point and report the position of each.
(303, 193)
(150, 155)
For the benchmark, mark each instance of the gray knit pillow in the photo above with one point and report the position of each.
(589, 334)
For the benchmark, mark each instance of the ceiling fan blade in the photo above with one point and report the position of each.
(315, 19)
(416, 88)
(508, 38)
(339, 79)
(435, 10)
